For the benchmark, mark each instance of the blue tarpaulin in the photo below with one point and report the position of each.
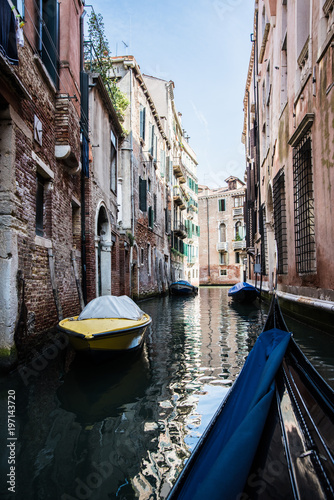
(241, 286)
(222, 465)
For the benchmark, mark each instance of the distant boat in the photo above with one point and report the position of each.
(243, 292)
(106, 327)
(273, 435)
(182, 287)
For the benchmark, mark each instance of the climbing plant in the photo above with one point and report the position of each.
(97, 59)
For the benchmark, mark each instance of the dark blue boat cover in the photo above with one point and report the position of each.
(241, 286)
(181, 282)
(222, 466)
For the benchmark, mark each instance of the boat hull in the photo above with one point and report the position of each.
(272, 436)
(181, 288)
(103, 338)
(243, 293)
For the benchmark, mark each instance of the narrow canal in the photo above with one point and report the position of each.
(123, 430)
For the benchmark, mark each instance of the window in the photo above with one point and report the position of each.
(155, 148)
(222, 233)
(76, 226)
(223, 258)
(304, 206)
(280, 221)
(40, 205)
(48, 36)
(149, 258)
(237, 257)
(142, 195)
(142, 121)
(162, 163)
(113, 162)
(19, 5)
(238, 231)
(155, 207)
(238, 201)
(303, 24)
(284, 74)
(152, 141)
(142, 256)
(284, 58)
(221, 205)
(150, 217)
(223, 272)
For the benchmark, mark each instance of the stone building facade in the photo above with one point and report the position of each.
(40, 171)
(86, 203)
(143, 189)
(107, 255)
(288, 137)
(222, 243)
(181, 176)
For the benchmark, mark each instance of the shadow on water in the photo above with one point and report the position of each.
(122, 430)
(101, 391)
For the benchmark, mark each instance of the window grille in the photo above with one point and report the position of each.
(304, 206)
(280, 221)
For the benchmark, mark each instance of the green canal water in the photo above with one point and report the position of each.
(124, 429)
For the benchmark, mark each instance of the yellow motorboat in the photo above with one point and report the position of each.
(107, 326)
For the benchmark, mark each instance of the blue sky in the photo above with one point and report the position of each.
(204, 47)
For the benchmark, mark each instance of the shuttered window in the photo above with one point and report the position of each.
(221, 205)
(142, 194)
(150, 217)
(142, 122)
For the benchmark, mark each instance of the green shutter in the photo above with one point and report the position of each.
(150, 217)
(142, 194)
(142, 122)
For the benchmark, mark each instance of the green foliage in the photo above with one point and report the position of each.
(131, 238)
(97, 59)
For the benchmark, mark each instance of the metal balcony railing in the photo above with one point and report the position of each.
(179, 198)
(180, 230)
(179, 171)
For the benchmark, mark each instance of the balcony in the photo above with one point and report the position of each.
(238, 212)
(239, 245)
(178, 170)
(222, 246)
(180, 230)
(178, 197)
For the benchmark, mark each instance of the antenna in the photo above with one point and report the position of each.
(125, 46)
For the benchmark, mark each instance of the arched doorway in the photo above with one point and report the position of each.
(103, 253)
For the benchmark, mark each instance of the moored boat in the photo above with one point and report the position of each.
(182, 287)
(243, 292)
(107, 326)
(273, 435)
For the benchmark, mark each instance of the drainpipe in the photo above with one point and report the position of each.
(82, 185)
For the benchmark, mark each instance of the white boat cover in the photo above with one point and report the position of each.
(110, 306)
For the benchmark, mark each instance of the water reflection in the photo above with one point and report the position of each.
(123, 430)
